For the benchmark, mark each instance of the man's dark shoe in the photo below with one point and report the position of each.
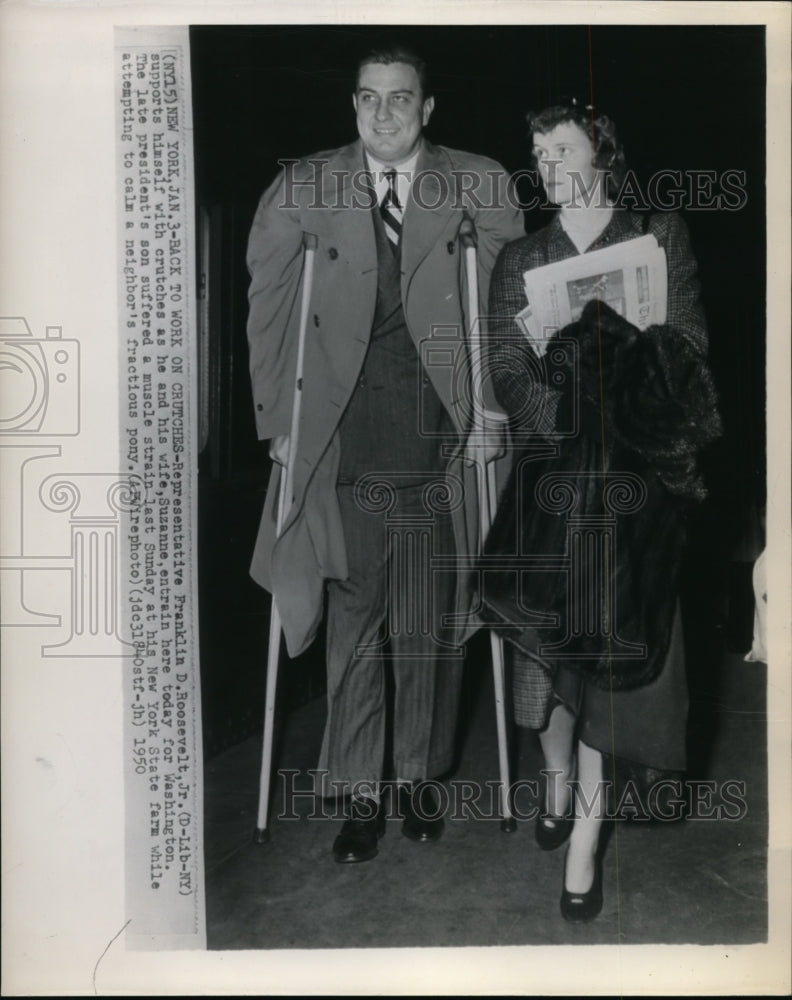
(420, 806)
(362, 829)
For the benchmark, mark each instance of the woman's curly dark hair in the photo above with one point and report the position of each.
(608, 150)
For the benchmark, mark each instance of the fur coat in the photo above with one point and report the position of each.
(645, 406)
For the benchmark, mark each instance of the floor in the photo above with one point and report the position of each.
(694, 881)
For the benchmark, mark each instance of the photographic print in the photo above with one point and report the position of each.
(395, 595)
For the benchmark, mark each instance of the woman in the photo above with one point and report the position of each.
(601, 406)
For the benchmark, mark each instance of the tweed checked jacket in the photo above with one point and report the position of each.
(506, 344)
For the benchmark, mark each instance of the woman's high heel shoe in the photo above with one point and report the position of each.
(580, 907)
(552, 831)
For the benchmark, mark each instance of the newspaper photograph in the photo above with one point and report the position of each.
(631, 278)
(395, 555)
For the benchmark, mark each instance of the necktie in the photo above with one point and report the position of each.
(391, 210)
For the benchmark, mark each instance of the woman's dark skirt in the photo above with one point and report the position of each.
(645, 725)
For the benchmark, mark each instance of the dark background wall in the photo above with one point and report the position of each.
(684, 98)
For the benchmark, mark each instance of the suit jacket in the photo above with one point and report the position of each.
(323, 195)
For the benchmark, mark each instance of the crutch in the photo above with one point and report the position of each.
(285, 499)
(487, 492)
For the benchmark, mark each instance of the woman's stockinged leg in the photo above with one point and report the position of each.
(557, 745)
(590, 810)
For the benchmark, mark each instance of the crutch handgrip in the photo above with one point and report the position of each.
(467, 237)
(467, 232)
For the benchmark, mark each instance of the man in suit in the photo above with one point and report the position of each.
(379, 471)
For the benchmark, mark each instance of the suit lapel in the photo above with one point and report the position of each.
(344, 192)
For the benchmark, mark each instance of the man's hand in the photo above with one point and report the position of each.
(279, 449)
(489, 442)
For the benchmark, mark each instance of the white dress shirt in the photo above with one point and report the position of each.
(404, 178)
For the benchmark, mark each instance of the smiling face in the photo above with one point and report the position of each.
(565, 159)
(391, 111)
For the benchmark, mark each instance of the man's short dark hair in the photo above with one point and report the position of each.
(390, 51)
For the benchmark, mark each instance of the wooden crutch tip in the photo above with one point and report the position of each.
(261, 836)
(508, 825)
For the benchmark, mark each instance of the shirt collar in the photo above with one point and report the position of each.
(377, 167)
(404, 176)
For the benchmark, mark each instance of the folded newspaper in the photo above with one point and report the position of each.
(631, 277)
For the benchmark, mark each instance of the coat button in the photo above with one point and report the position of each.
(316, 320)
(259, 407)
(332, 253)
(450, 246)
